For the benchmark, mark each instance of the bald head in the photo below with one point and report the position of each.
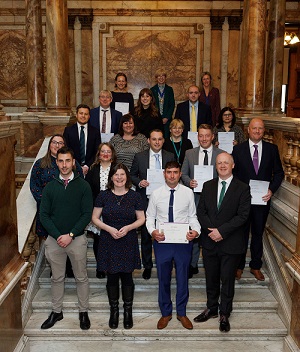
(224, 165)
(256, 130)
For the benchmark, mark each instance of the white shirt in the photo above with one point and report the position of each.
(184, 208)
(152, 159)
(228, 181)
(108, 119)
(202, 155)
(85, 133)
(252, 149)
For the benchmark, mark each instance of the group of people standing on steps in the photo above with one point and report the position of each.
(98, 178)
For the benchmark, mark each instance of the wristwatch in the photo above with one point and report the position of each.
(71, 234)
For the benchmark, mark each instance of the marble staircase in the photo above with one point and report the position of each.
(255, 324)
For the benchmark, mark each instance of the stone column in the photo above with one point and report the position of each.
(253, 56)
(34, 56)
(216, 49)
(232, 93)
(58, 75)
(274, 62)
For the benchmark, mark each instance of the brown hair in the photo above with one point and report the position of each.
(113, 170)
(152, 108)
(113, 154)
(46, 162)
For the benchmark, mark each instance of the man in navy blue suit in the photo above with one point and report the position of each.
(104, 118)
(82, 138)
(184, 111)
(266, 167)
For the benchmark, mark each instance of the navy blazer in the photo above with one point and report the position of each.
(115, 119)
(138, 171)
(93, 141)
(270, 168)
(230, 219)
(183, 113)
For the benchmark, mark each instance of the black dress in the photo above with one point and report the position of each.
(169, 147)
(145, 123)
(121, 255)
(119, 97)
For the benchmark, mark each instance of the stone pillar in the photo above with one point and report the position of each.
(232, 93)
(58, 75)
(253, 56)
(34, 56)
(216, 49)
(274, 62)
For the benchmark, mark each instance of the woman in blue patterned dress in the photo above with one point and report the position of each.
(118, 253)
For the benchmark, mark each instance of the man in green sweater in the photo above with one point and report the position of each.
(66, 209)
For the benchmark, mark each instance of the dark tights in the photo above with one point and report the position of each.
(113, 279)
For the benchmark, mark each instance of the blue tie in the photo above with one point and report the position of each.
(82, 146)
(157, 162)
(171, 202)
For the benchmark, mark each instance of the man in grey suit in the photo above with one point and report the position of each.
(138, 172)
(205, 154)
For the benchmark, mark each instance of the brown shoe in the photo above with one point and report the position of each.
(163, 322)
(238, 274)
(185, 321)
(258, 274)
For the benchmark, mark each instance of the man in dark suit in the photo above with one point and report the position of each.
(186, 109)
(104, 118)
(82, 138)
(138, 172)
(265, 167)
(164, 99)
(205, 154)
(223, 211)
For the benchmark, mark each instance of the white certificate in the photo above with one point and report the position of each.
(202, 173)
(122, 107)
(193, 136)
(106, 137)
(155, 177)
(258, 189)
(174, 232)
(226, 141)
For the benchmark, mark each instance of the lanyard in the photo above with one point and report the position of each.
(179, 151)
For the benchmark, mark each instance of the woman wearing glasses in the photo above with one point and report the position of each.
(226, 123)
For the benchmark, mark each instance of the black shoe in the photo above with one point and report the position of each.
(224, 323)
(100, 274)
(193, 271)
(52, 319)
(85, 323)
(147, 274)
(205, 315)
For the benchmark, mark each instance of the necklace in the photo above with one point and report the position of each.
(118, 200)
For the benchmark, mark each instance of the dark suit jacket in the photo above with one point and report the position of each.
(230, 219)
(270, 168)
(115, 119)
(183, 113)
(138, 171)
(93, 141)
(169, 101)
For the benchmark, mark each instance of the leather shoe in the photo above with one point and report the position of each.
(205, 315)
(100, 274)
(224, 324)
(147, 274)
(193, 271)
(238, 274)
(163, 322)
(258, 274)
(85, 323)
(185, 321)
(52, 319)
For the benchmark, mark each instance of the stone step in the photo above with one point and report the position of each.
(244, 326)
(198, 280)
(146, 300)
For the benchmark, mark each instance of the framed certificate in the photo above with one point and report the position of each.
(174, 232)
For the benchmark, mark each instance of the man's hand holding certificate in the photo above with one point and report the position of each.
(260, 193)
(171, 232)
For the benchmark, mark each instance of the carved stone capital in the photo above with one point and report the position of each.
(217, 22)
(235, 22)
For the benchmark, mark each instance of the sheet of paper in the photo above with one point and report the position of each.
(174, 232)
(202, 173)
(155, 177)
(258, 189)
(226, 141)
(193, 136)
(106, 137)
(122, 107)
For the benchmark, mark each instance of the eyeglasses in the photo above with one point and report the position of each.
(58, 143)
(227, 115)
(105, 151)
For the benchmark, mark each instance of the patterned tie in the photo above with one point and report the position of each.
(66, 182)
(222, 194)
(193, 119)
(157, 162)
(103, 128)
(82, 145)
(255, 158)
(171, 202)
(205, 161)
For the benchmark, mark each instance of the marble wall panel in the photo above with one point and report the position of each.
(13, 77)
(139, 52)
(87, 68)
